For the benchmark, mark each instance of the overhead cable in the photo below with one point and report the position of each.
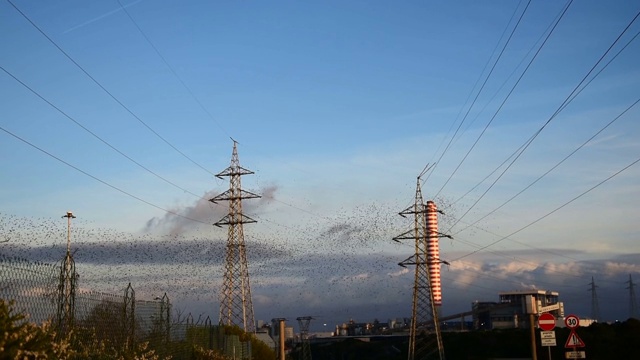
(164, 60)
(562, 106)
(98, 179)
(554, 166)
(552, 211)
(107, 91)
(507, 97)
(94, 134)
(478, 95)
(476, 83)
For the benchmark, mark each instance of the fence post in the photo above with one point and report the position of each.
(207, 324)
(129, 322)
(66, 295)
(165, 315)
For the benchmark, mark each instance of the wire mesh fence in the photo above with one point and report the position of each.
(115, 324)
(32, 285)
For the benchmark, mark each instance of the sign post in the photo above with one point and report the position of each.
(546, 323)
(574, 341)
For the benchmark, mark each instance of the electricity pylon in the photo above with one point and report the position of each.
(595, 307)
(633, 304)
(236, 306)
(67, 285)
(304, 322)
(424, 342)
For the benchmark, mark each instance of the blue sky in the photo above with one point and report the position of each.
(337, 107)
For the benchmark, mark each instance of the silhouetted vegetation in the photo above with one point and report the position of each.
(99, 337)
(619, 340)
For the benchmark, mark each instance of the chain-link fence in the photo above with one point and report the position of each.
(117, 323)
(32, 285)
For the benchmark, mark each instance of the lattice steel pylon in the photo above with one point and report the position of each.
(128, 317)
(304, 322)
(236, 306)
(633, 304)
(67, 285)
(424, 342)
(595, 307)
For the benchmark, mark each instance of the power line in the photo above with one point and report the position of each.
(94, 134)
(551, 212)
(133, 160)
(98, 179)
(105, 90)
(493, 97)
(562, 106)
(515, 68)
(478, 94)
(554, 166)
(517, 258)
(164, 60)
(483, 84)
(130, 111)
(508, 95)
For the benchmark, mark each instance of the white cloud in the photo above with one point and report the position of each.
(400, 272)
(616, 268)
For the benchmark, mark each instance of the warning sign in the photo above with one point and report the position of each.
(574, 341)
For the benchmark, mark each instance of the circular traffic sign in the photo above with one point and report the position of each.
(572, 321)
(546, 321)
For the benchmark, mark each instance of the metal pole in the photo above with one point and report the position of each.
(69, 216)
(281, 323)
(533, 337)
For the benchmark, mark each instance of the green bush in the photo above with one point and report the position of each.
(20, 339)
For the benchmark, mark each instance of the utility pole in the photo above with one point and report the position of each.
(423, 342)
(595, 308)
(67, 284)
(281, 336)
(633, 304)
(304, 322)
(236, 306)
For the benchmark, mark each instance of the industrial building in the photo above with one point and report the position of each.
(513, 309)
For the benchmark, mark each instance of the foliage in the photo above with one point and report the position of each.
(260, 350)
(104, 325)
(200, 353)
(96, 349)
(99, 336)
(20, 339)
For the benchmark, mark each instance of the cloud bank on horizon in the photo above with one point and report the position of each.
(334, 282)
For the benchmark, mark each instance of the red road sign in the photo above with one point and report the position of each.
(574, 341)
(572, 321)
(546, 321)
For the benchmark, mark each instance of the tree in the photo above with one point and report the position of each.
(20, 339)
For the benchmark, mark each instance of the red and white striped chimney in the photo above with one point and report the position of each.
(433, 252)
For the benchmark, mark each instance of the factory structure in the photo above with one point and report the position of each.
(513, 309)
